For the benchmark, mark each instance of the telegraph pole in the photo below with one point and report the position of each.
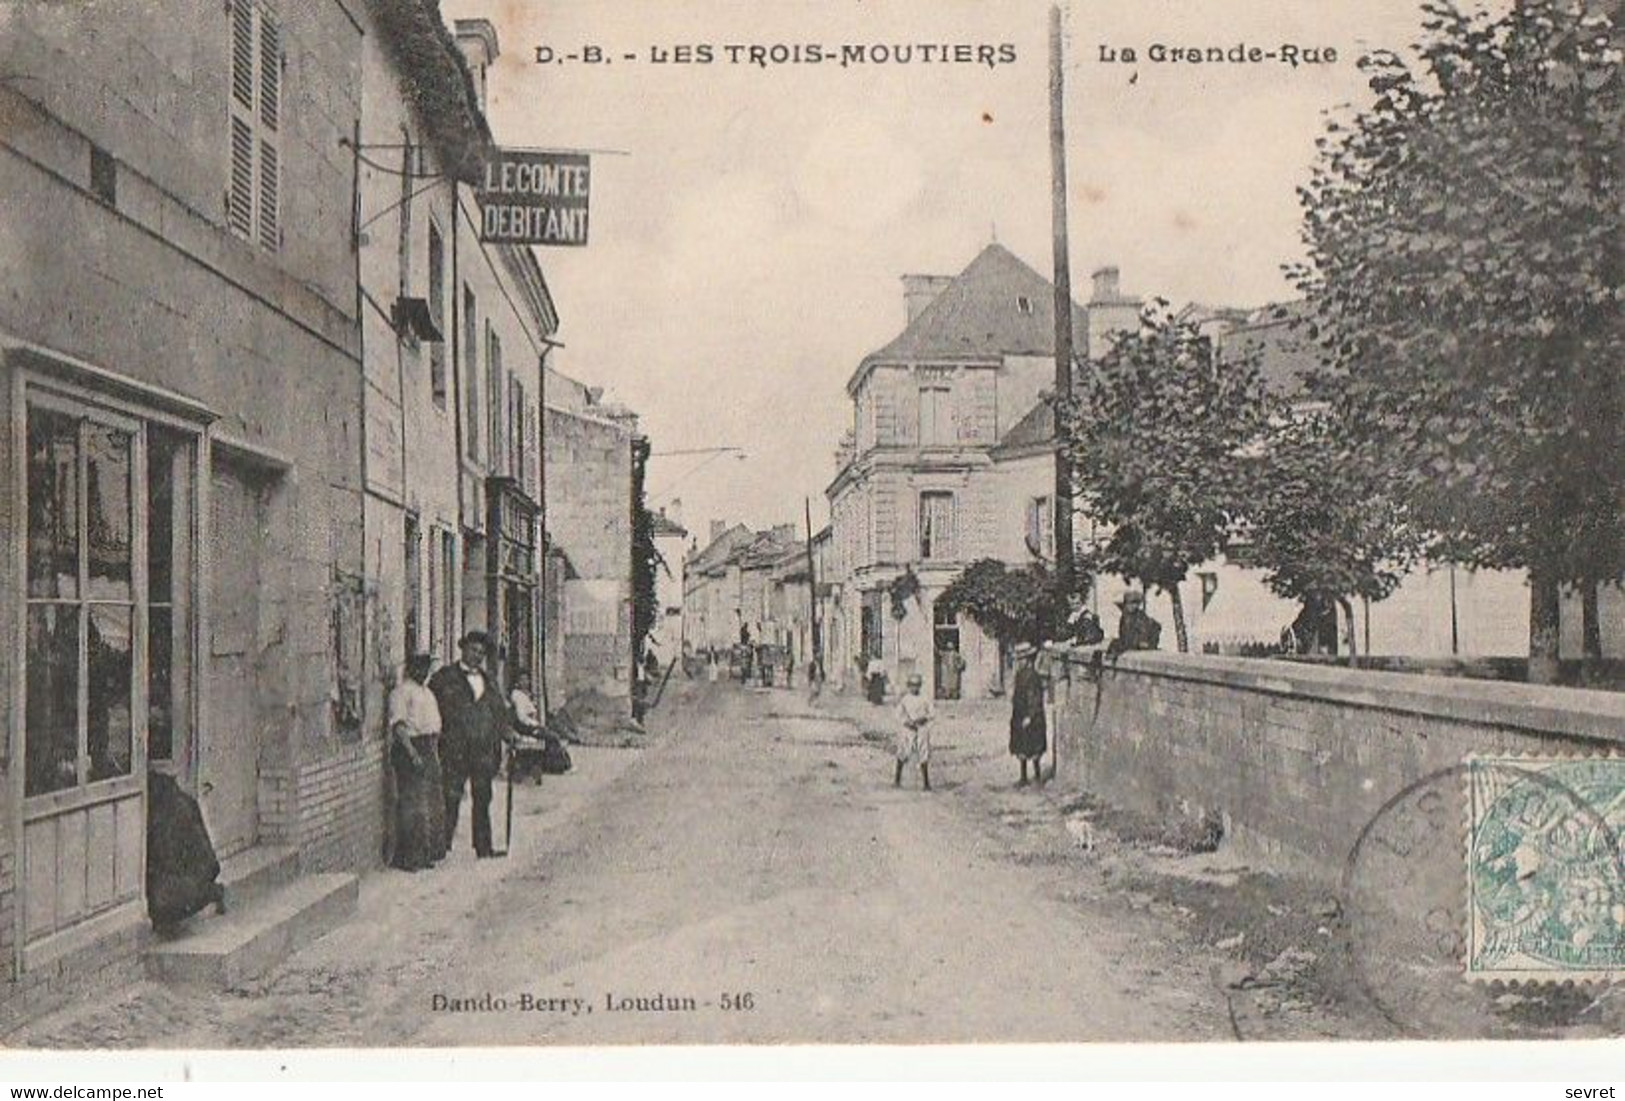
(1063, 304)
(816, 671)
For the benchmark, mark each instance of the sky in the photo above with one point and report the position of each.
(750, 228)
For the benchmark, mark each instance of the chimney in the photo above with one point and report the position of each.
(477, 38)
(717, 528)
(919, 291)
(1107, 289)
(1111, 312)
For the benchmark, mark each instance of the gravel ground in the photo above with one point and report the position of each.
(751, 875)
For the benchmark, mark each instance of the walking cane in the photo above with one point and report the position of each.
(507, 829)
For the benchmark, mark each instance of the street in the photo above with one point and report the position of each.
(750, 876)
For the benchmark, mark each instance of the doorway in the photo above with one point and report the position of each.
(229, 749)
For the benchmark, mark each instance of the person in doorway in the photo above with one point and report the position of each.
(1135, 629)
(712, 666)
(527, 717)
(914, 714)
(876, 683)
(1029, 733)
(951, 671)
(414, 756)
(474, 725)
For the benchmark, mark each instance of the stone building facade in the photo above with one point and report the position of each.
(272, 420)
(589, 456)
(916, 497)
(181, 394)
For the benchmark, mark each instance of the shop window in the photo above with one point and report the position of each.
(171, 497)
(412, 553)
(471, 377)
(81, 625)
(437, 314)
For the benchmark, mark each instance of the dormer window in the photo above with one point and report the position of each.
(1024, 305)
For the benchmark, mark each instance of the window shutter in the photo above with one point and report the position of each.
(240, 193)
(269, 235)
(242, 53)
(270, 71)
(253, 188)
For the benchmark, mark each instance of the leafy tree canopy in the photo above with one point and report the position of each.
(1464, 278)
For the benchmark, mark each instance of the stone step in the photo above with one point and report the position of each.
(256, 872)
(223, 952)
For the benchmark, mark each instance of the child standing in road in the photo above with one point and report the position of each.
(915, 712)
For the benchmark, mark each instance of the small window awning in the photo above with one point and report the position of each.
(411, 317)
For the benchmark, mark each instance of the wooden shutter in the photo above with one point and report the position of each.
(253, 186)
(240, 189)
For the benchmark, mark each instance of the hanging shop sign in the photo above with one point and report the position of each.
(529, 198)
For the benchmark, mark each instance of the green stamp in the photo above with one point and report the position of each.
(1546, 894)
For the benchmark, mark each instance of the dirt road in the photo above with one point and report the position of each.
(750, 875)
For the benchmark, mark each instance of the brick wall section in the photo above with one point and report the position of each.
(1296, 761)
(341, 809)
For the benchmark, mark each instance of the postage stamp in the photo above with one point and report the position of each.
(1546, 893)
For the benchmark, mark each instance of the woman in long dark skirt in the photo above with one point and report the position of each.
(414, 724)
(1029, 735)
(181, 865)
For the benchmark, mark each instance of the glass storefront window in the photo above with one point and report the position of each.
(91, 630)
(53, 505)
(52, 712)
(170, 493)
(109, 660)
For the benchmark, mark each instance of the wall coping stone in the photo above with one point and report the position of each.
(1582, 713)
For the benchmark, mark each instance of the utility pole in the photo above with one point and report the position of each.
(1063, 305)
(816, 672)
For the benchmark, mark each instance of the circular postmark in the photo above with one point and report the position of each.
(1472, 894)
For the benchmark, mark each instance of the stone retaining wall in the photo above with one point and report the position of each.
(1296, 761)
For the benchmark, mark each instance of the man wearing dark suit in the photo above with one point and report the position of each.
(474, 722)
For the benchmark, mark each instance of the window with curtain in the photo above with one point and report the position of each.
(936, 525)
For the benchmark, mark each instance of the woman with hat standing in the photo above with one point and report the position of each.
(1029, 735)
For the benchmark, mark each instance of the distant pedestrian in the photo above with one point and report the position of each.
(1084, 625)
(712, 666)
(1135, 629)
(414, 756)
(914, 714)
(950, 671)
(876, 680)
(1029, 734)
(474, 724)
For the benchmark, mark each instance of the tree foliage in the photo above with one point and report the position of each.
(1322, 518)
(1464, 237)
(1156, 440)
(1024, 604)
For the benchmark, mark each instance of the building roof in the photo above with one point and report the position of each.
(1033, 432)
(1286, 354)
(665, 525)
(718, 551)
(435, 80)
(980, 316)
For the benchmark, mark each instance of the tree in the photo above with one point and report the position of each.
(1464, 277)
(1025, 604)
(1157, 439)
(1322, 519)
